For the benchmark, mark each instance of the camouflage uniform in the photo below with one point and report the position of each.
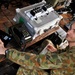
(32, 64)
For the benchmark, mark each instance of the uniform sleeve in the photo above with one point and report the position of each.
(30, 61)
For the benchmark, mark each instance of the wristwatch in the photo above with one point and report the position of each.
(6, 53)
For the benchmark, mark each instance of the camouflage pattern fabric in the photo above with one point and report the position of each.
(32, 64)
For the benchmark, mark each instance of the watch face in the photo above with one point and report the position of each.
(6, 51)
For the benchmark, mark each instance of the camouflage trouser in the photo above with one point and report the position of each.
(23, 71)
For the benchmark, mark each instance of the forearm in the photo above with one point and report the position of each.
(30, 61)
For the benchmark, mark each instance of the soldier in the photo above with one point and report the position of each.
(57, 63)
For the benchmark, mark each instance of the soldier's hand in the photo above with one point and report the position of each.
(2, 48)
(51, 48)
